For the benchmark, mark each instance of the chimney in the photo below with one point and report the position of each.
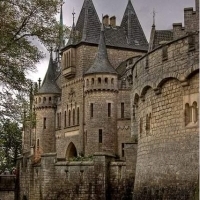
(113, 21)
(106, 20)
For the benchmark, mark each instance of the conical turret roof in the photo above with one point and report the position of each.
(132, 26)
(88, 24)
(49, 85)
(101, 63)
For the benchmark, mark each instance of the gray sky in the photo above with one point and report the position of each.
(167, 13)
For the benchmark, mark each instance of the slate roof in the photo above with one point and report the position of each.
(133, 27)
(162, 35)
(49, 85)
(88, 28)
(101, 63)
(158, 36)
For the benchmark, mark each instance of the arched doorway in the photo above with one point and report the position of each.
(71, 151)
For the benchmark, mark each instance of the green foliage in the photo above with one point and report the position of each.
(10, 144)
(24, 25)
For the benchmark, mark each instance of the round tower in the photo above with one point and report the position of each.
(101, 89)
(45, 107)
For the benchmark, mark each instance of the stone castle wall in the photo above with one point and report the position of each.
(84, 56)
(99, 178)
(164, 81)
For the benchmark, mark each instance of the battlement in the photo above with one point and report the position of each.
(101, 82)
(45, 101)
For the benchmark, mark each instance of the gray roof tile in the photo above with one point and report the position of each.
(49, 85)
(101, 63)
(88, 29)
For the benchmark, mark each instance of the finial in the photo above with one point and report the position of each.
(73, 13)
(154, 16)
(39, 82)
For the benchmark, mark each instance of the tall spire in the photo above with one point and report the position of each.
(49, 85)
(153, 32)
(132, 26)
(72, 38)
(61, 36)
(101, 63)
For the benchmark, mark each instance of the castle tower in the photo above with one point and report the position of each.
(101, 89)
(45, 104)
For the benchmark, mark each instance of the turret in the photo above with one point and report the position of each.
(45, 105)
(101, 88)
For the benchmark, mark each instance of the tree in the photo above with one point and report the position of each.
(10, 144)
(24, 25)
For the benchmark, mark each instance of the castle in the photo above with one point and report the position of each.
(119, 119)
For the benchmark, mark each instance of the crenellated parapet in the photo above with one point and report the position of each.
(98, 82)
(43, 101)
(177, 59)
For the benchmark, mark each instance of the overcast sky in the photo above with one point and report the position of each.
(167, 13)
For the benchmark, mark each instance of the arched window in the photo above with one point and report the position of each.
(69, 118)
(36, 101)
(65, 119)
(44, 99)
(106, 80)
(39, 100)
(141, 125)
(87, 82)
(99, 80)
(187, 114)
(194, 112)
(38, 143)
(148, 122)
(112, 81)
(71, 151)
(78, 116)
(49, 99)
(73, 116)
(92, 81)
(58, 120)
(134, 111)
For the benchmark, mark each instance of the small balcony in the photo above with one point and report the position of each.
(69, 72)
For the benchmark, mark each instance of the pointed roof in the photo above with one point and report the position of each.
(158, 36)
(132, 26)
(88, 24)
(61, 37)
(88, 28)
(49, 85)
(101, 63)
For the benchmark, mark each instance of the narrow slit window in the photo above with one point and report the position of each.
(109, 109)
(44, 122)
(65, 119)
(69, 118)
(91, 110)
(122, 149)
(73, 117)
(122, 110)
(78, 118)
(165, 52)
(100, 136)
(58, 120)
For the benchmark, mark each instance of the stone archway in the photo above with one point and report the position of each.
(71, 151)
